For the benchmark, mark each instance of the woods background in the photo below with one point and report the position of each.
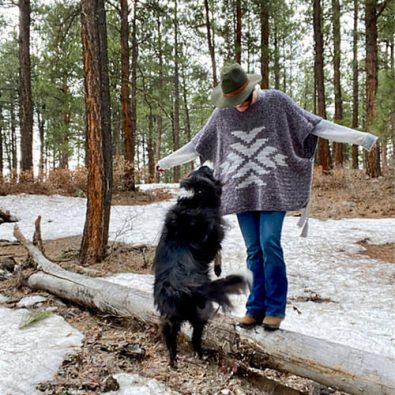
(97, 88)
(334, 57)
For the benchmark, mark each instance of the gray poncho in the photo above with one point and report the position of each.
(263, 156)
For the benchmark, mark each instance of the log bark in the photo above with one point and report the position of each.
(335, 365)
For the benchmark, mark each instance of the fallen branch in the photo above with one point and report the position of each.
(6, 216)
(335, 365)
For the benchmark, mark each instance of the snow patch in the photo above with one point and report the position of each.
(33, 355)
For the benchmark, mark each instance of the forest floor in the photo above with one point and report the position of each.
(105, 348)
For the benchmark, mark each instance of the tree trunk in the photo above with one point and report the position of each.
(210, 42)
(1, 142)
(25, 89)
(187, 122)
(41, 129)
(176, 108)
(135, 54)
(277, 71)
(355, 85)
(150, 147)
(338, 147)
(323, 148)
(127, 125)
(265, 44)
(65, 148)
(238, 32)
(14, 165)
(372, 165)
(332, 364)
(158, 140)
(98, 130)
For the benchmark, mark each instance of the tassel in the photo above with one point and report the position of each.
(305, 229)
(304, 217)
(301, 221)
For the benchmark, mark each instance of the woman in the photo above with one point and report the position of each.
(262, 146)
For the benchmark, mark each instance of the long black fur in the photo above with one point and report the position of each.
(190, 240)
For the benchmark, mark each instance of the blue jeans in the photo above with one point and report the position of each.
(261, 231)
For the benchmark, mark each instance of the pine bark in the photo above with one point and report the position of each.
(1, 143)
(187, 122)
(210, 41)
(158, 140)
(41, 129)
(372, 162)
(125, 96)
(14, 163)
(323, 147)
(26, 104)
(238, 32)
(150, 147)
(98, 131)
(64, 153)
(265, 44)
(338, 147)
(277, 70)
(176, 103)
(355, 84)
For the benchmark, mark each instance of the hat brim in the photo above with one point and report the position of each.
(221, 101)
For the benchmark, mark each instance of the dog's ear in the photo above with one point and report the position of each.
(206, 171)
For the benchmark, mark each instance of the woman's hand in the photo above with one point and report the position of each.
(159, 169)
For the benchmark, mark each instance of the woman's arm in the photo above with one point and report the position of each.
(185, 154)
(341, 134)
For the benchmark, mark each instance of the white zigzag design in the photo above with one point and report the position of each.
(247, 136)
(251, 180)
(249, 161)
(251, 166)
(249, 151)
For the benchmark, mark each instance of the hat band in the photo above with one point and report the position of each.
(237, 91)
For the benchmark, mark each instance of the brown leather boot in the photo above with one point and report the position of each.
(248, 321)
(272, 323)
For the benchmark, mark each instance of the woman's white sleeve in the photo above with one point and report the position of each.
(341, 134)
(185, 154)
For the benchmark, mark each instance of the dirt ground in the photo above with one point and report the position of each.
(112, 345)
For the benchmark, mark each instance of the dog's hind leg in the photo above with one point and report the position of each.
(198, 327)
(170, 330)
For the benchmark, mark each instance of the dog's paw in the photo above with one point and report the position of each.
(173, 365)
(198, 354)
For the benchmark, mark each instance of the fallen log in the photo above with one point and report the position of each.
(335, 365)
(6, 216)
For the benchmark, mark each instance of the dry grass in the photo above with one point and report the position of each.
(343, 193)
(346, 193)
(74, 183)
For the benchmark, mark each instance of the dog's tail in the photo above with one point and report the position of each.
(219, 290)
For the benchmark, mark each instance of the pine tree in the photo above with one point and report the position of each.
(98, 131)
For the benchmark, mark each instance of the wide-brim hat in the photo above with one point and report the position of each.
(235, 86)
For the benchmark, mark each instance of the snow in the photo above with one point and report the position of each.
(29, 301)
(361, 291)
(33, 355)
(133, 384)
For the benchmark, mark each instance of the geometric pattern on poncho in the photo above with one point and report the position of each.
(250, 159)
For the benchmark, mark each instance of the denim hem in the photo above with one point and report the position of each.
(256, 315)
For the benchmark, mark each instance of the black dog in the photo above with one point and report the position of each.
(190, 240)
